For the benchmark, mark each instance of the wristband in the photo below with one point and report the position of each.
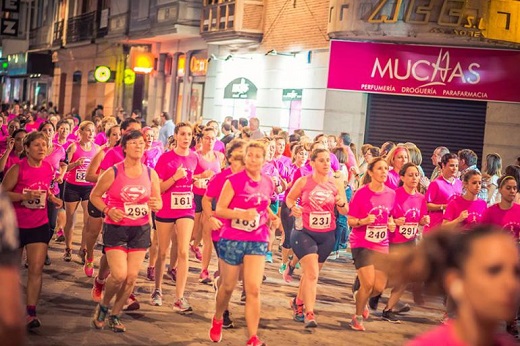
(341, 206)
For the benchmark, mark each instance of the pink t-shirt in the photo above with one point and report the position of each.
(12, 159)
(101, 138)
(506, 219)
(130, 195)
(203, 166)
(393, 179)
(65, 145)
(55, 158)
(444, 335)
(32, 214)
(412, 208)
(441, 191)
(283, 164)
(178, 199)
(380, 204)
(458, 204)
(318, 201)
(151, 156)
(32, 127)
(270, 170)
(249, 194)
(76, 176)
(215, 185)
(220, 146)
(112, 157)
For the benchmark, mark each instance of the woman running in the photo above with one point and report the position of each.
(370, 219)
(396, 159)
(244, 206)
(441, 190)
(132, 191)
(410, 212)
(467, 210)
(77, 189)
(28, 184)
(319, 196)
(14, 150)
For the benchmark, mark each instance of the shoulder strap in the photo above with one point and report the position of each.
(115, 170)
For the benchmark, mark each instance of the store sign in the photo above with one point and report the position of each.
(198, 65)
(292, 94)
(431, 19)
(9, 23)
(129, 76)
(432, 71)
(240, 88)
(102, 74)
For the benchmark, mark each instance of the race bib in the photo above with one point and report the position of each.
(409, 230)
(201, 183)
(376, 234)
(181, 200)
(136, 211)
(244, 225)
(320, 220)
(38, 203)
(80, 176)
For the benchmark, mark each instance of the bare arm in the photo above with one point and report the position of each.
(92, 175)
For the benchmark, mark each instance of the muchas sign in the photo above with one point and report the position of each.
(432, 71)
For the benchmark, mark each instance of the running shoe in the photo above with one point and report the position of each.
(373, 302)
(67, 255)
(196, 252)
(82, 254)
(357, 323)
(404, 308)
(182, 306)
(287, 274)
(310, 320)
(204, 277)
(60, 237)
(282, 268)
(32, 322)
(216, 274)
(97, 291)
(255, 341)
(156, 298)
(47, 260)
(269, 257)
(298, 315)
(100, 315)
(366, 312)
(388, 315)
(215, 333)
(172, 273)
(228, 322)
(131, 303)
(88, 268)
(297, 265)
(333, 256)
(512, 328)
(243, 296)
(150, 273)
(115, 324)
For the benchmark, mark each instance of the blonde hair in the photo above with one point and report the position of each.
(257, 144)
(393, 152)
(84, 125)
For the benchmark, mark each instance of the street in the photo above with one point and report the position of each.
(65, 310)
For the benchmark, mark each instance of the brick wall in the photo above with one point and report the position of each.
(293, 27)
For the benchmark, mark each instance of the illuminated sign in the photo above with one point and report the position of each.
(142, 62)
(240, 88)
(181, 65)
(102, 74)
(198, 65)
(129, 76)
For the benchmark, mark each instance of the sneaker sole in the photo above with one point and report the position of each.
(311, 324)
(93, 323)
(219, 340)
(357, 329)
(185, 313)
(391, 321)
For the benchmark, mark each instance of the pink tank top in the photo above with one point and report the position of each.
(32, 214)
(76, 176)
(199, 188)
(54, 159)
(178, 199)
(130, 195)
(412, 208)
(318, 201)
(249, 194)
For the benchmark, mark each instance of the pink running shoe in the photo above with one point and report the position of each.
(88, 268)
(97, 290)
(215, 333)
(196, 252)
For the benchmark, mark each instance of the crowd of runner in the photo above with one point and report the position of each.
(165, 189)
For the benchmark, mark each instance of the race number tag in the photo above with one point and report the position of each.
(244, 225)
(38, 203)
(201, 183)
(409, 230)
(136, 211)
(181, 200)
(81, 175)
(320, 219)
(376, 234)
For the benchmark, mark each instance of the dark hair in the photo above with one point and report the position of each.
(313, 144)
(126, 123)
(279, 138)
(299, 132)
(276, 130)
(402, 171)
(446, 158)
(182, 124)
(18, 131)
(31, 137)
(234, 145)
(469, 157)
(317, 138)
(341, 154)
(386, 148)
(316, 152)
(467, 176)
(493, 164)
(166, 115)
(294, 138)
(374, 151)
(243, 122)
(370, 167)
(46, 122)
(225, 127)
(63, 122)
(514, 171)
(109, 131)
(344, 138)
(134, 134)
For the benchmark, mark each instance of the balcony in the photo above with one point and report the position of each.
(39, 38)
(81, 28)
(238, 22)
(57, 36)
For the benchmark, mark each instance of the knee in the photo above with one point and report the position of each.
(182, 253)
(118, 277)
(131, 279)
(227, 288)
(311, 275)
(253, 291)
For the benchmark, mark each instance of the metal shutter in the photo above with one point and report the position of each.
(427, 122)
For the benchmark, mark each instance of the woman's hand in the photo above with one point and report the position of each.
(115, 214)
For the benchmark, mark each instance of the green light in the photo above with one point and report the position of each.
(5, 65)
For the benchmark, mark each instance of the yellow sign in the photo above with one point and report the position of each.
(142, 62)
(198, 66)
(504, 21)
(129, 76)
(102, 74)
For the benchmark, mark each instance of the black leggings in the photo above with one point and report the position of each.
(288, 225)
(307, 242)
(52, 214)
